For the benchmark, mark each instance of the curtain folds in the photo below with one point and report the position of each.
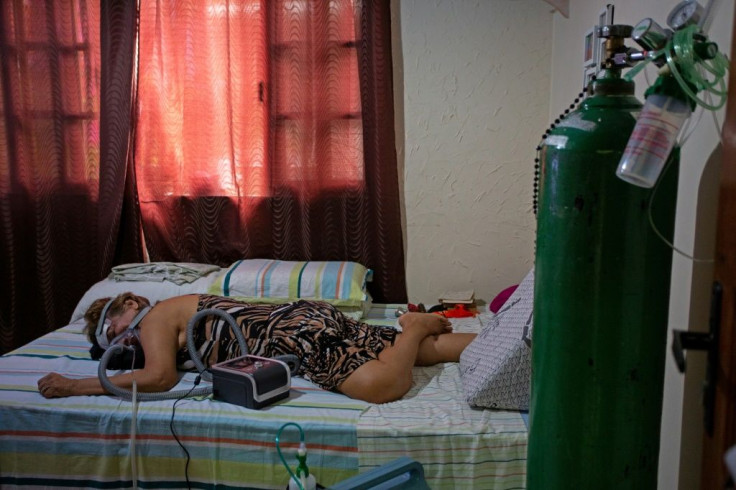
(49, 157)
(384, 242)
(265, 130)
(242, 130)
(118, 224)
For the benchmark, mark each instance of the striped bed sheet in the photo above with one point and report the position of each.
(458, 446)
(85, 441)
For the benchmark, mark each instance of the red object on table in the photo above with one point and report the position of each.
(458, 311)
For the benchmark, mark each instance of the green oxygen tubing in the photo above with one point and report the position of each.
(291, 360)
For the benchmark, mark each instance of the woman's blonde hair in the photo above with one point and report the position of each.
(92, 315)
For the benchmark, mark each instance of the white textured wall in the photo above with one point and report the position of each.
(472, 102)
(680, 451)
(477, 82)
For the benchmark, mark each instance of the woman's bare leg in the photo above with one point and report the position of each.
(389, 377)
(446, 347)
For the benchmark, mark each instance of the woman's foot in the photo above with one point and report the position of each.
(424, 323)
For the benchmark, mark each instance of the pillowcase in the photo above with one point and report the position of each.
(358, 312)
(340, 283)
(495, 368)
(155, 290)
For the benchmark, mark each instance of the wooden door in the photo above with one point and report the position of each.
(714, 472)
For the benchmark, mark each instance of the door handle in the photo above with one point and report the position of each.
(683, 340)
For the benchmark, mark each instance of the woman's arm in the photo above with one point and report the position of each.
(54, 385)
(160, 344)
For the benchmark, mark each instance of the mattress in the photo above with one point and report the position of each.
(457, 445)
(86, 441)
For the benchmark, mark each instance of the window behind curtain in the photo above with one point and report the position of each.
(49, 156)
(316, 108)
(50, 103)
(265, 129)
(240, 98)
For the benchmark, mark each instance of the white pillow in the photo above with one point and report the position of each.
(495, 368)
(155, 291)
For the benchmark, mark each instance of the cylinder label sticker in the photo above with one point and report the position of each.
(576, 121)
(557, 140)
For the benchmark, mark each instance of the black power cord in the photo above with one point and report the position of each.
(173, 432)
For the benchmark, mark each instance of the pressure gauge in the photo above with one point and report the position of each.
(684, 14)
(650, 35)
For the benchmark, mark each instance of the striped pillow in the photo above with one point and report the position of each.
(340, 283)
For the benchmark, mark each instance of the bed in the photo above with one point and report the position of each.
(84, 442)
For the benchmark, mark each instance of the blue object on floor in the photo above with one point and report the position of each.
(403, 473)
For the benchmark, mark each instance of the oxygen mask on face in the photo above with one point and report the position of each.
(103, 325)
(129, 337)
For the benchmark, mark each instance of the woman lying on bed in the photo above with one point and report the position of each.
(337, 353)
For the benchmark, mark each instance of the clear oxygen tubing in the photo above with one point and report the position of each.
(710, 11)
(686, 67)
(110, 387)
(664, 114)
(133, 432)
(659, 234)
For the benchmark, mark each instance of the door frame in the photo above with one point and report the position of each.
(714, 474)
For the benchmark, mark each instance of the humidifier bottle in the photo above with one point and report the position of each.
(307, 483)
(306, 479)
(654, 136)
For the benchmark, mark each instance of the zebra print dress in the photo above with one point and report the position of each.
(330, 345)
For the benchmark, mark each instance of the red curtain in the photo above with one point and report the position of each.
(118, 216)
(49, 155)
(66, 196)
(265, 129)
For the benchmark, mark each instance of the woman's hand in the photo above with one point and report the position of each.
(55, 385)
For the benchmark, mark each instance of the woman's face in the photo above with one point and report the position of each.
(121, 321)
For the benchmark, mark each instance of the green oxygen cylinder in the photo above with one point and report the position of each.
(601, 301)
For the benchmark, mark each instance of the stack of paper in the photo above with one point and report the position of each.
(466, 297)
